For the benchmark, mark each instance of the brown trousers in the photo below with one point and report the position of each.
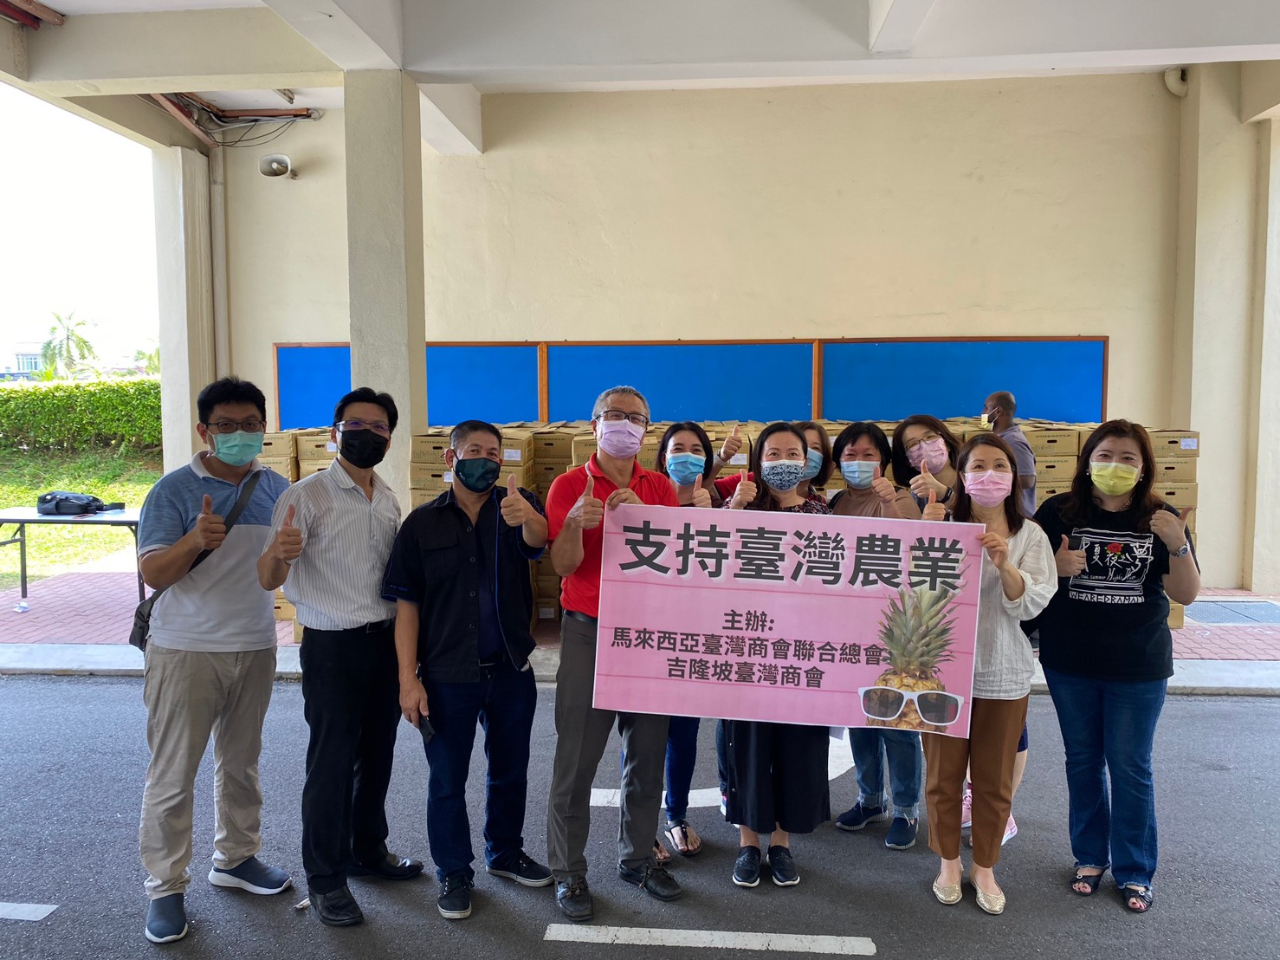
(988, 755)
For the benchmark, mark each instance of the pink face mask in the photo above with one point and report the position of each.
(988, 489)
(620, 438)
(933, 452)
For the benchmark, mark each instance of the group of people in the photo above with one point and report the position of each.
(429, 619)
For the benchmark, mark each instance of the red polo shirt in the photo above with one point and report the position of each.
(580, 590)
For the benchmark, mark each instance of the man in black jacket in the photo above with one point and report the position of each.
(459, 573)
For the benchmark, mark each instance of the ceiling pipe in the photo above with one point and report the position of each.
(1175, 78)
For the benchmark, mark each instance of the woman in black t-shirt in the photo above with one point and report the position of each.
(1107, 652)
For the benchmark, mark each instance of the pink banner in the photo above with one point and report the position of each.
(793, 618)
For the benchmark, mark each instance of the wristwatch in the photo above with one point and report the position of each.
(1181, 552)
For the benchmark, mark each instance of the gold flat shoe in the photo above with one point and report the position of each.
(992, 903)
(948, 895)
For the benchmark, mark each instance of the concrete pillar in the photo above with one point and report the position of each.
(186, 301)
(1213, 315)
(1262, 550)
(384, 252)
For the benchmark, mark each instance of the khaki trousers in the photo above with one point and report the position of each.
(190, 696)
(988, 754)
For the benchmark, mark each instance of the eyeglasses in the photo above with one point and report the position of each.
(231, 426)
(613, 416)
(934, 706)
(377, 426)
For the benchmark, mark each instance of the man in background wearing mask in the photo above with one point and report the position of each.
(997, 415)
(459, 574)
(576, 504)
(211, 655)
(331, 535)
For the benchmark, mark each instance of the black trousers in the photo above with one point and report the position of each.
(351, 693)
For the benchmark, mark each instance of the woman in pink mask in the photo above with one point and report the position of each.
(924, 459)
(1018, 579)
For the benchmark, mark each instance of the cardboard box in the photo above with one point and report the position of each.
(1175, 443)
(279, 445)
(435, 476)
(1046, 490)
(1178, 495)
(418, 497)
(1057, 470)
(429, 447)
(545, 473)
(287, 467)
(517, 447)
(547, 609)
(648, 455)
(283, 610)
(1177, 616)
(1053, 443)
(584, 445)
(307, 467)
(1176, 470)
(314, 447)
(548, 587)
(297, 632)
(553, 444)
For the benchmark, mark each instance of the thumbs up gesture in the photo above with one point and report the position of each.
(701, 497)
(288, 542)
(1070, 562)
(588, 512)
(210, 531)
(515, 508)
(744, 493)
(924, 481)
(732, 444)
(933, 510)
(882, 487)
(1171, 527)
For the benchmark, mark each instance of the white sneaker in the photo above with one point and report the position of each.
(1010, 830)
(966, 809)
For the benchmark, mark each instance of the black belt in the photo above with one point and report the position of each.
(367, 628)
(581, 617)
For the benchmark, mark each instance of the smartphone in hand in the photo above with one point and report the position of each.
(424, 727)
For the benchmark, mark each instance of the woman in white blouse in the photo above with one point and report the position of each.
(1018, 579)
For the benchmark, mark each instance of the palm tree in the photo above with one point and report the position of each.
(148, 360)
(67, 347)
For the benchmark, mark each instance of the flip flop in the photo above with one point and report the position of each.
(1134, 892)
(660, 853)
(685, 842)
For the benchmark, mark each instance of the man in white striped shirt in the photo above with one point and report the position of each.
(330, 538)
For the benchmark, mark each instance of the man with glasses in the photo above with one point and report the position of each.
(331, 536)
(211, 654)
(576, 504)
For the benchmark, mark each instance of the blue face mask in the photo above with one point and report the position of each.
(858, 474)
(237, 449)
(813, 465)
(685, 468)
(782, 475)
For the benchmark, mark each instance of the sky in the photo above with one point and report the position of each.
(77, 230)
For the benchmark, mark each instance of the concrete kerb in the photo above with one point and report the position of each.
(1240, 678)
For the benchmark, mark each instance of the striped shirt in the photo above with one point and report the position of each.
(336, 583)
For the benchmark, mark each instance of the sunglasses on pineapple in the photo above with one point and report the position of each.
(934, 706)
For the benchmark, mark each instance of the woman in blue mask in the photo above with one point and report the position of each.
(777, 772)
(863, 455)
(685, 456)
(818, 465)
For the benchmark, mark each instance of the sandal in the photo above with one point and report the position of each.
(1134, 892)
(660, 853)
(1091, 881)
(682, 838)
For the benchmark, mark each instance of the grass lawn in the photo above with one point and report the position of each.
(111, 475)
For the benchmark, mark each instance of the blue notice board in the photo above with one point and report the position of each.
(687, 381)
(309, 382)
(1051, 379)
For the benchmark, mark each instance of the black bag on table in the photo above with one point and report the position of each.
(62, 503)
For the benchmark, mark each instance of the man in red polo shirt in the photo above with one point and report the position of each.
(576, 504)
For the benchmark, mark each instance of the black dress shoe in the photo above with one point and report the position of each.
(655, 881)
(337, 909)
(574, 899)
(390, 867)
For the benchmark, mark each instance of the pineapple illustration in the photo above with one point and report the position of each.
(916, 636)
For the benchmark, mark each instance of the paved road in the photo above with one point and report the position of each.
(72, 761)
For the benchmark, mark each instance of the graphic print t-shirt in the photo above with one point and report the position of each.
(1109, 621)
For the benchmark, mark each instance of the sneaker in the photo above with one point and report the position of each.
(966, 809)
(859, 816)
(573, 897)
(524, 870)
(252, 875)
(724, 806)
(166, 919)
(902, 834)
(454, 901)
(746, 869)
(1010, 830)
(657, 882)
(783, 867)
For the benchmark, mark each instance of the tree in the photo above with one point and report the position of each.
(148, 360)
(67, 348)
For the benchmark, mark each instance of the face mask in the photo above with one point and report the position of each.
(989, 488)
(813, 464)
(1113, 479)
(988, 421)
(783, 475)
(478, 474)
(620, 438)
(685, 468)
(933, 452)
(237, 449)
(858, 474)
(362, 448)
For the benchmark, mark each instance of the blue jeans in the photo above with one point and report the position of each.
(682, 753)
(503, 702)
(1108, 727)
(870, 748)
